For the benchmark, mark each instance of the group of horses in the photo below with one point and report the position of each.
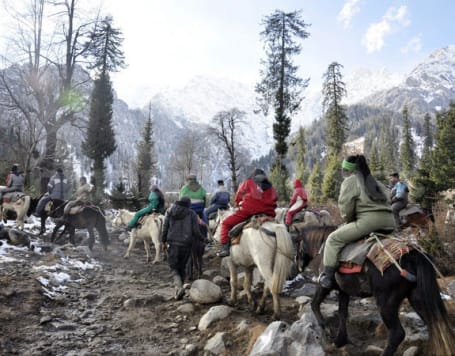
(90, 217)
(269, 246)
(272, 249)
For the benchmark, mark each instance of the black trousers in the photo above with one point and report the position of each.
(177, 258)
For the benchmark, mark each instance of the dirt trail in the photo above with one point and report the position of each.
(126, 306)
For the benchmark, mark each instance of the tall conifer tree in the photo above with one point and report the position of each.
(333, 91)
(300, 172)
(280, 87)
(146, 163)
(407, 157)
(425, 159)
(105, 48)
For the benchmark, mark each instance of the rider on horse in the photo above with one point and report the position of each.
(399, 196)
(218, 200)
(82, 196)
(299, 201)
(14, 182)
(193, 190)
(365, 206)
(256, 195)
(56, 189)
(156, 203)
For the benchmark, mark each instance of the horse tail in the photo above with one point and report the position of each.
(283, 258)
(27, 202)
(426, 298)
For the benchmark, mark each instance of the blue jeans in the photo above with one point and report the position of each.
(211, 209)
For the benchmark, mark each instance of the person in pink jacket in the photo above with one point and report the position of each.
(299, 201)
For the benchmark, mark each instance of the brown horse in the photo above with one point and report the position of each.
(90, 218)
(415, 216)
(389, 288)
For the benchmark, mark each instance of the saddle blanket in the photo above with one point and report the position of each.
(11, 197)
(254, 222)
(353, 255)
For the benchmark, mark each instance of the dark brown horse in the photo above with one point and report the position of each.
(90, 218)
(415, 216)
(390, 289)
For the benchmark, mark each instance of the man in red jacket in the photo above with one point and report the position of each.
(255, 196)
(299, 201)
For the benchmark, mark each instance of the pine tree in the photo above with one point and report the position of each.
(407, 157)
(332, 178)
(280, 87)
(333, 91)
(300, 143)
(315, 182)
(443, 155)
(146, 163)
(388, 146)
(105, 47)
(425, 159)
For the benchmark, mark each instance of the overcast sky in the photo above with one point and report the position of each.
(167, 42)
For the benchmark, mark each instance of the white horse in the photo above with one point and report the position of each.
(150, 230)
(272, 255)
(17, 202)
(310, 217)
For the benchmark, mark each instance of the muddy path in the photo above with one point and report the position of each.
(105, 304)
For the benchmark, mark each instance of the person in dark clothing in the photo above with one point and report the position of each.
(180, 229)
(57, 188)
(14, 182)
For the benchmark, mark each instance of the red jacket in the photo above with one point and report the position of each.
(298, 192)
(251, 198)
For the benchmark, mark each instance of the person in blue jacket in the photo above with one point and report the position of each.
(218, 200)
(399, 196)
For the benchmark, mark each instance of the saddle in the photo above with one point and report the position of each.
(254, 222)
(353, 255)
(12, 197)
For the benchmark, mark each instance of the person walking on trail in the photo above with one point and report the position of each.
(256, 195)
(299, 201)
(57, 188)
(218, 200)
(399, 195)
(82, 196)
(14, 182)
(180, 230)
(156, 204)
(364, 205)
(193, 190)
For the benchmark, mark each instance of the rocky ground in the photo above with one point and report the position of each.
(65, 300)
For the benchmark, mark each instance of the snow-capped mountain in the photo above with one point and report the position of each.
(428, 88)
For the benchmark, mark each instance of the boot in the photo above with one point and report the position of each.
(179, 291)
(327, 278)
(225, 250)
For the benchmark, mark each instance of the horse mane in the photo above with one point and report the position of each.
(312, 237)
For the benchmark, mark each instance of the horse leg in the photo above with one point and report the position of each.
(388, 308)
(54, 232)
(132, 243)
(247, 287)
(318, 298)
(343, 304)
(147, 249)
(43, 225)
(261, 306)
(157, 243)
(91, 238)
(233, 282)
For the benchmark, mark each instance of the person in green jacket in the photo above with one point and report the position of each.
(364, 204)
(193, 190)
(156, 203)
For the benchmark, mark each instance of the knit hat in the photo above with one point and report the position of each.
(297, 183)
(191, 177)
(185, 201)
(220, 182)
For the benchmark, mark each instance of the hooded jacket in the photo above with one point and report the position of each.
(298, 192)
(257, 195)
(181, 226)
